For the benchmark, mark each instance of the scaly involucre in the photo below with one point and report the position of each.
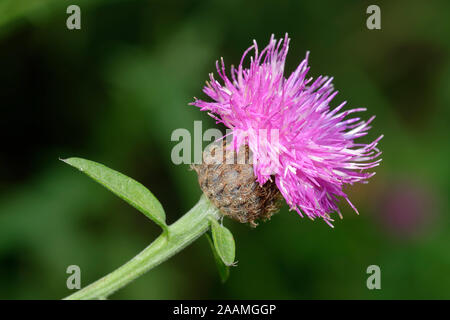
(293, 133)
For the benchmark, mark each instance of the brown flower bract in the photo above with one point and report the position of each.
(229, 183)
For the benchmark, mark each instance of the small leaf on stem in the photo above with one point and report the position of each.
(223, 242)
(224, 271)
(126, 188)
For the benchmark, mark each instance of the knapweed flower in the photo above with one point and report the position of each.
(296, 138)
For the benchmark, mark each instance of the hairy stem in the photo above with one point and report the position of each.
(181, 233)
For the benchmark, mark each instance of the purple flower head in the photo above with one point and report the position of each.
(295, 136)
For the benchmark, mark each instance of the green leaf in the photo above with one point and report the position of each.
(126, 188)
(224, 271)
(223, 242)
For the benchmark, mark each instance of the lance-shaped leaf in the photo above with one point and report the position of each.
(126, 188)
(223, 242)
(224, 271)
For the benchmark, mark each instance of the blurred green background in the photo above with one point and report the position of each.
(114, 91)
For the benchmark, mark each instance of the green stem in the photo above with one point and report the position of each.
(181, 233)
